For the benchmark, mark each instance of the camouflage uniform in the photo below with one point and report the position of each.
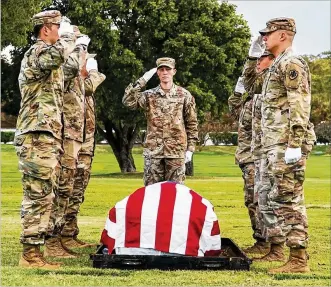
(286, 97)
(73, 130)
(253, 83)
(38, 136)
(241, 107)
(85, 156)
(171, 129)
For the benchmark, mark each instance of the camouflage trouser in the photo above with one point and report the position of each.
(262, 188)
(39, 161)
(66, 185)
(81, 180)
(248, 173)
(163, 169)
(285, 214)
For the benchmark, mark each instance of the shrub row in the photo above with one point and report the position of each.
(225, 138)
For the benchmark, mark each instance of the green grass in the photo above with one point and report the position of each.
(216, 177)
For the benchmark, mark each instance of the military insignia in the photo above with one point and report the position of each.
(293, 74)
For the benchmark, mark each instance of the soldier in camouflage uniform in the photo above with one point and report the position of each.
(92, 79)
(240, 106)
(171, 123)
(38, 137)
(73, 126)
(253, 75)
(286, 100)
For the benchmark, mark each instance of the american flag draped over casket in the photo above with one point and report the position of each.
(167, 217)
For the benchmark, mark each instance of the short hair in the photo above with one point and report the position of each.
(290, 34)
(36, 30)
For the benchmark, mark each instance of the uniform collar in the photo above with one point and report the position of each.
(172, 91)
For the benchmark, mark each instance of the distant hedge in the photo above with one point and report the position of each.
(7, 137)
(225, 138)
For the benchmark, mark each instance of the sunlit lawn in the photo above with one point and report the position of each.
(216, 177)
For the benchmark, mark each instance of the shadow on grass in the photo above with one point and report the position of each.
(119, 175)
(300, 276)
(94, 272)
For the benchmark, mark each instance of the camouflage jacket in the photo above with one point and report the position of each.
(240, 107)
(74, 96)
(41, 83)
(286, 101)
(91, 82)
(253, 84)
(172, 126)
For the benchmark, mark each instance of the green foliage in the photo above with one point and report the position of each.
(207, 39)
(16, 20)
(7, 137)
(323, 132)
(10, 93)
(98, 137)
(216, 178)
(320, 68)
(226, 138)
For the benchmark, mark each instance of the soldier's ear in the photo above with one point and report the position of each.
(282, 36)
(175, 71)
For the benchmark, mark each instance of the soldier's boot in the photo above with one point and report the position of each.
(33, 258)
(259, 247)
(297, 263)
(54, 248)
(74, 242)
(276, 253)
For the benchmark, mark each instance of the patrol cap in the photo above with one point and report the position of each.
(47, 17)
(280, 23)
(168, 62)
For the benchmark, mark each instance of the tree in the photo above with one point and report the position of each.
(16, 20)
(207, 39)
(320, 68)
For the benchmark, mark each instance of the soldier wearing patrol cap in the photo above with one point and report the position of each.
(171, 123)
(92, 78)
(73, 128)
(286, 99)
(243, 106)
(38, 137)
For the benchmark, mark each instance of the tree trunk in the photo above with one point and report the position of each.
(189, 167)
(121, 137)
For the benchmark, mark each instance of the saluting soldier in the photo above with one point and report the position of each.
(172, 126)
(38, 137)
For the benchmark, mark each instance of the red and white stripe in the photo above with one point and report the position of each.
(167, 217)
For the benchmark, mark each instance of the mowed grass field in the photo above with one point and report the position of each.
(216, 178)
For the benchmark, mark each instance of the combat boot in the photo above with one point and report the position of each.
(297, 263)
(74, 242)
(54, 248)
(259, 247)
(276, 253)
(33, 258)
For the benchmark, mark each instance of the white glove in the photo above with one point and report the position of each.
(188, 156)
(257, 47)
(149, 74)
(65, 27)
(292, 155)
(240, 86)
(91, 64)
(65, 19)
(84, 40)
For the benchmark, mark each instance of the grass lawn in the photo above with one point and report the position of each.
(216, 177)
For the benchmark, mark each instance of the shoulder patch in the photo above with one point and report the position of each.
(293, 74)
